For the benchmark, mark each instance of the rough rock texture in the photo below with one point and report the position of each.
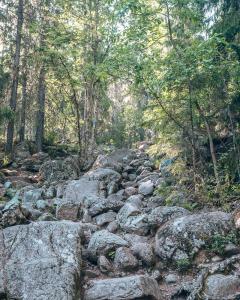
(131, 219)
(41, 261)
(222, 287)
(77, 190)
(125, 260)
(184, 236)
(103, 241)
(56, 170)
(125, 288)
(68, 211)
(162, 214)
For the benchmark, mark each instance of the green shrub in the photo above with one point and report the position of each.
(183, 264)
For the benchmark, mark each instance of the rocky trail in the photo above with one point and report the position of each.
(108, 234)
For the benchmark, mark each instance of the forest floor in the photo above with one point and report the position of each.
(110, 233)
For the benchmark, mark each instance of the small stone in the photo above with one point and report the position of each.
(41, 204)
(112, 227)
(104, 264)
(171, 278)
(129, 191)
(47, 217)
(231, 249)
(7, 184)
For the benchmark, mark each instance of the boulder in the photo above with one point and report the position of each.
(68, 211)
(56, 170)
(131, 219)
(103, 241)
(144, 252)
(77, 190)
(183, 237)
(41, 261)
(100, 205)
(125, 260)
(30, 197)
(146, 188)
(162, 214)
(106, 175)
(222, 287)
(124, 288)
(106, 218)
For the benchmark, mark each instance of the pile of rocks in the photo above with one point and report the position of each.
(109, 235)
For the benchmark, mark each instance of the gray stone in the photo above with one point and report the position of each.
(56, 170)
(124, 288)
(45, 261)
(106, 218)
(101, 205)
(135, 200)
(131, 219)
(104, 264)
(171, 278)
(103, 241)
(222, 287)
(183, 237)
(146, 188)
(112, 227)
(31, 197)
(77, 190)
(162, 214)
(47, 217)
(129, 191)
(125, 260)
(144, 252)
(106, 175)
(68, 211)
(41, 204)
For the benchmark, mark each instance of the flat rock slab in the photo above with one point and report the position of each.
(124, 288)
(41, 261)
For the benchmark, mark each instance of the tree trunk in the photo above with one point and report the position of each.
(41, 110)
(211, 145)
(15, 77)
(24, 98)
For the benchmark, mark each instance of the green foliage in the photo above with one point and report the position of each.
(218, 242)
(183, 264)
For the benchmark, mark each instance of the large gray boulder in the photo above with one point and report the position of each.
(41, 261)
(103, 241)
(131, 219)
(222, 287)
(162, 214)
(104, 174)
(183, 237)
(100, 205)
(77, 190)
(125, 288)
(56, 170)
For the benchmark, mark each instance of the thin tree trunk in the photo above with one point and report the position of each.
(41, 110)
(24, 98)
(211, 145)
(15, 78)
(193, 140)
(235, 144)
